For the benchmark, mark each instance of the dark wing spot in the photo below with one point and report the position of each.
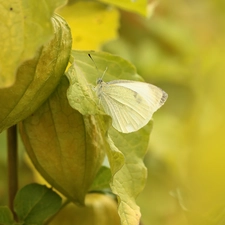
(164, 97)
(138, 98)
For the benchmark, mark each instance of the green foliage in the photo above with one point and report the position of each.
(37, 78)
(129, 172)
(73, 143)
(26, 26)
(62, 125)
(102, 179)
(35, 203)
(180, 48)
(122, 150)
(6, 216)
(57, 121)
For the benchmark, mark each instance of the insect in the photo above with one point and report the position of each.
(130, 104)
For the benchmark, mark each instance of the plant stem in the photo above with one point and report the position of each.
(12, 165)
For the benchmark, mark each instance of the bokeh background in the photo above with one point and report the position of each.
(180, 48)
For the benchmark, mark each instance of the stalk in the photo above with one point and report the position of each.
(12, 146)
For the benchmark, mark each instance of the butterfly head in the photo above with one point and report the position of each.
(99, 81)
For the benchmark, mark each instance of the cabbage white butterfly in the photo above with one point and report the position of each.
(130, 104)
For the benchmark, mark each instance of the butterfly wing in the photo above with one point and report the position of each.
(130, 103)
(154, 95)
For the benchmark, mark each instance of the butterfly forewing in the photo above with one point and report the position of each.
(151, 93)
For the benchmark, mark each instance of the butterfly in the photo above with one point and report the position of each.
(130, 104)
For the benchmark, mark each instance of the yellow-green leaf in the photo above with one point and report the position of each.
(102, 179)
(37, 78)
(6, 216)
(126, 151)
(79, 93)
(24, 27)
(92, 24)
(129, 175)
(34, 203)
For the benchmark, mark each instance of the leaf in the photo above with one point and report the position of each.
(92, 23)
(64, 146)
(35, 203)
(37, 78)
(138, 6)
(117, 67)
(128, 174)
(102, 179)
(6, 217)
(25, 26)
(79, 93)
(126, 151)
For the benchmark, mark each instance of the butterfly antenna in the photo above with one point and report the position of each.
(97, 67)
(104, 72)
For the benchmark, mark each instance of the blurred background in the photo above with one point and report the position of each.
(181, 49)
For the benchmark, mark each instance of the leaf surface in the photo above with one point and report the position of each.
(37, 78)
(126, 151)
(129, 174)
(92, 23)
(34, 203)
(6, 216)
(24, 27)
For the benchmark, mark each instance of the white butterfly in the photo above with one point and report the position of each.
(130, 104)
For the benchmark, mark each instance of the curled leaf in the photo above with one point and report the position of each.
(36, 78)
